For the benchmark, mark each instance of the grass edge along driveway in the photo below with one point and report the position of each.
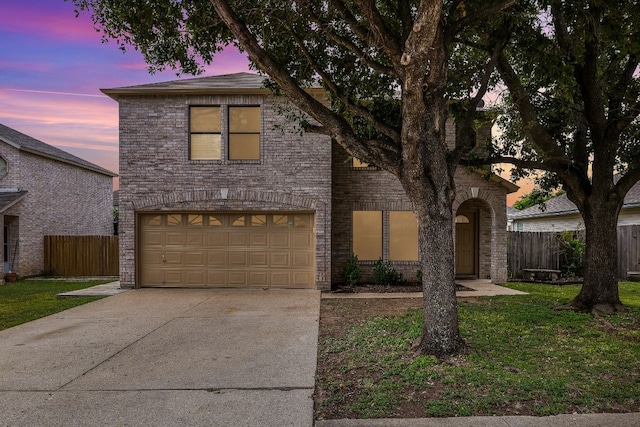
(27, 300)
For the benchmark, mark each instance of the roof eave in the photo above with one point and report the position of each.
(117, 93)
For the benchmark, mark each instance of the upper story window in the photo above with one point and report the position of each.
(205, 133)
(210, 138)
(244, 133)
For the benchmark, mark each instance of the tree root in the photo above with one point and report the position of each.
(595, 310)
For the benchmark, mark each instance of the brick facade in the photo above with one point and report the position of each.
(295, 173)
(61, 199)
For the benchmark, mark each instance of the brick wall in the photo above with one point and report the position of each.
(62, 199)
(156, 173)
(371, 189)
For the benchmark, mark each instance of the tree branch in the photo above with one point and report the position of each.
(341, 131)
(348, 44)
(354, 108)
(539, 135)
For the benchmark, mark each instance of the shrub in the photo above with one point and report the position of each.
(352, 271)
(572, 250)
(384, 274)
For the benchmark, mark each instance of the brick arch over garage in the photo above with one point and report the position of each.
(498, 237)
(230, 199)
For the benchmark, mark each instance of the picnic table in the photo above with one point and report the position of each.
(542, 273)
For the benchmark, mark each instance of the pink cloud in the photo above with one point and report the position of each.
(41, 18)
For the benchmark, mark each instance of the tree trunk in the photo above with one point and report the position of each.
(599, 292)
(440, 332)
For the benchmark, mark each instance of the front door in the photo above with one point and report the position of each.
(466, 245)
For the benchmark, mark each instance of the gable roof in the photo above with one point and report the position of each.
(31, 145)
(561, 205)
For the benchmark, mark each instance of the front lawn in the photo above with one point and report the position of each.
(524, 358)
(27, 300)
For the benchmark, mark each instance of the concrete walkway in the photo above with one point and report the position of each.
(479, 288)
(165, 357)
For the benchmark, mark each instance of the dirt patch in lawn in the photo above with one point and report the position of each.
(336, 318)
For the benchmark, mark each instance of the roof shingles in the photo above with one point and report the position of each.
(26, 143)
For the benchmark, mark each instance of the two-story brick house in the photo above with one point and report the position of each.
(47, 191)
(217, 189)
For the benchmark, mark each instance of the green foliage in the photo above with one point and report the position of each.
(523, 354)
(572, 252)
(536, 197)
(384, 274)
(352, 271)
(27, 300)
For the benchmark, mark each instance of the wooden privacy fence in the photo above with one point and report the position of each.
(542, 250)
(81, 255)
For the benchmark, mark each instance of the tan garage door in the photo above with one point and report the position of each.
(227, 250)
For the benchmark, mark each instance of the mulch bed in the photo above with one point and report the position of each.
(373, 288)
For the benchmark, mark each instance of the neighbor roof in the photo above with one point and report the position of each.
(31, 145)
(228, 84)
(562, 205)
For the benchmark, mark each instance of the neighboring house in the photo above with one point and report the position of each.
(47, 191)
(561, 214)
(216, 189)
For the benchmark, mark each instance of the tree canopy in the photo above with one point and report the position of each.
(572, 107)
(394, 72)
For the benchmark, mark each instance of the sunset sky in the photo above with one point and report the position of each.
(52, 67)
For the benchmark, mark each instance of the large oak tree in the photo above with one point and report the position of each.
(387, 67)
(572, 110)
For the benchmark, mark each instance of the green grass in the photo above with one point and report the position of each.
(524, 358)
(27, 300)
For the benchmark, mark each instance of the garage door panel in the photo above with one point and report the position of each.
(237, 259)
(300, 279)
(238, 239)
(175, 238)
(227, 249)
(217, 238)
(196, 238)
(153, 276)
(195, 258)
(258, 278)
(173, 258)
(302, 260)
(217, 278)
(173, 277)
(301, 240)
(152, 257)
(279, 278)
(280, 240)
(280, 259)
(196, 277)
(237, 278)
(153, 238)
(258, 259)
(258, 239)
(216, 258)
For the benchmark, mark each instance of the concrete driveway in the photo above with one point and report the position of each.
(165, 357)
